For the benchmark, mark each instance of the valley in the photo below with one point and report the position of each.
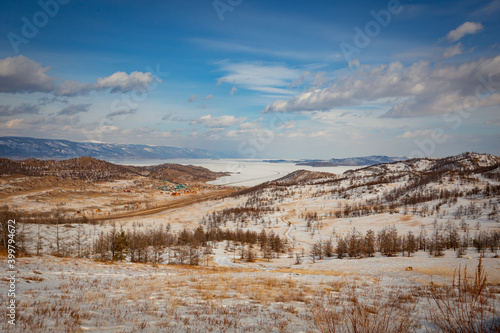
(279, 256)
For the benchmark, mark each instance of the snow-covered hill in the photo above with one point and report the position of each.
(465, 162)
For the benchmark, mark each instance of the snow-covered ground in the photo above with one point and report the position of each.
(80, 295)
(244, 172)
(277, 295)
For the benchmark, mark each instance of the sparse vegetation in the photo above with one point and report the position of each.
(268, 258)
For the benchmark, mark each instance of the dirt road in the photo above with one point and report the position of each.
(166, 206)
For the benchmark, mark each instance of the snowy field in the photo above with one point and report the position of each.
(80, 295)
(290, 291)
(244, 172)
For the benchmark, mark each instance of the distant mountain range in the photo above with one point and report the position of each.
(24, 147)
(350, 161)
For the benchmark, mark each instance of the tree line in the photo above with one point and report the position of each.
(389, 242)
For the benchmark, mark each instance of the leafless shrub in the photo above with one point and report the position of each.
(353, 315)
(465, 307)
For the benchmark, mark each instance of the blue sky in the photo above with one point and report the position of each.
(262, 79)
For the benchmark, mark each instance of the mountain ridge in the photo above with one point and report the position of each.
(14, 147)
(353, 161)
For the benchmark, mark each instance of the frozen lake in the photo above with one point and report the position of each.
(243, 172)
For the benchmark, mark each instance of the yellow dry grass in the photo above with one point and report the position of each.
(434, 270)
(311, 272)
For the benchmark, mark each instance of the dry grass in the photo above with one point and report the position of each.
(311, 272)
(450, 273)
(434, 271)
(162, 298)
(465, 307)
(354, 314)
(405, 218)
(166, 299)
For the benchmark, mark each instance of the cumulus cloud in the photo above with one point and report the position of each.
(117, 82)
(73, 109)
(423, 88)
(218, 122)
(24, 108)
(192, 98)
(467, 28)
(23, 75)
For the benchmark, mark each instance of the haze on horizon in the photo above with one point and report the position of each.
(263, 79)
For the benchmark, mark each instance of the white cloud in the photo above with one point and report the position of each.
(424, 88)
(23, 75)
(13, 124)
(428, 133)
(491, 100)
(453, 51)
(260, 77)
(231, 134)
(320, 134)
(467, 28)
(208, 97)
(303, 55)
(192, 98)
(123, 82)
(124, 112)
(218, 122)
(117, 82)
(233, 90)
(288, 125)
(304, 76)
(488, 9)
(416, 134)
(297, 134)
